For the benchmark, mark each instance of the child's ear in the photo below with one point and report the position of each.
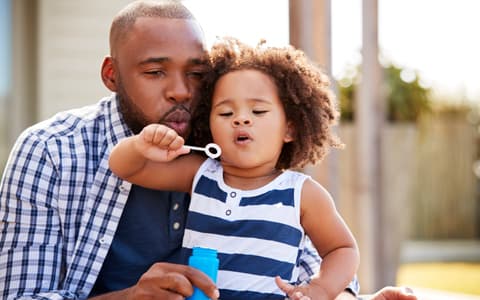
(289, 134)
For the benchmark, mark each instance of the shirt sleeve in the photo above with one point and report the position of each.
(30, 232)
(309, 265)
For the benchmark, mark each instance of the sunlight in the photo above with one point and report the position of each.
(425, 36)
(248, 20)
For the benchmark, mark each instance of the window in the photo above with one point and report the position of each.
(5, 74)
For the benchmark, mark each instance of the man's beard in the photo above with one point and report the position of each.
(133, 115)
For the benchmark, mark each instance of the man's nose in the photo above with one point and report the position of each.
(179, 89)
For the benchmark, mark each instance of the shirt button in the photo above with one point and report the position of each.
(175, 206)
(122, 188)
(233, 194)
(102, 240)
(176, 225)
(228, 212)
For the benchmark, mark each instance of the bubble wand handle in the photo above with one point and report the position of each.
(212, 150)
(195, 148)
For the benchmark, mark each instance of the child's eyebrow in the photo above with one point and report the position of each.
(255, 100)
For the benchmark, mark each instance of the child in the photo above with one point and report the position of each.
(269, 110)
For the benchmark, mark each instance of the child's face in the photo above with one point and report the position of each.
(248, 120)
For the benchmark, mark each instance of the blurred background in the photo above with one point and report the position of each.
(406, 77)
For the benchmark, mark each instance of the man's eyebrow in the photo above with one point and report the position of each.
(198, 61)
(159, 60)
(151, 60)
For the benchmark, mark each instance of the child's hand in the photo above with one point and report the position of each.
(160, 143)
(303, 292)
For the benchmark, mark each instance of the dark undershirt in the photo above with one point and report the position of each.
(150, 230)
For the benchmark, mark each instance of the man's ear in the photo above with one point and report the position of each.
(289, 134)
(108, 74)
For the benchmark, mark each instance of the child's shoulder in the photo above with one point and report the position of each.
(296, 174)
(308, 184)
(210, 166)
(294, 178)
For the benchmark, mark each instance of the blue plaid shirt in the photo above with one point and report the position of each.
(60, 205)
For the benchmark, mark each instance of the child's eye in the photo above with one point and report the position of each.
(225, 114)
(260, 112)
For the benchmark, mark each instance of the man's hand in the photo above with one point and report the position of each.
(346, 296)
(394, 293)
(386, 293)
(166, 281)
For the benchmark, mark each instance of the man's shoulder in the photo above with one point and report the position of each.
(65, 124)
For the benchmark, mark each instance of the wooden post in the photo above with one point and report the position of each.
(23, 108)
(369, 117)
(310, 30)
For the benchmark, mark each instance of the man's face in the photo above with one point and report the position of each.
(158, 68)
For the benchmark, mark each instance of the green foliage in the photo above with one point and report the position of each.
(406, 101)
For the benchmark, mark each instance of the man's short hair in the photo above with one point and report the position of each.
(125, 19)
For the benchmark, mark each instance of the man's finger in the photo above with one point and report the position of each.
(175, 282)
(194, 276)
(203, 282)
(394, 293)
(166, 295)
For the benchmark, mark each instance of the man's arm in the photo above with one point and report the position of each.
(31, 238)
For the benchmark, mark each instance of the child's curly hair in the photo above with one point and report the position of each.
(302, 87)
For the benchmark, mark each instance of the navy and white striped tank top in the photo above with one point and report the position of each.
(257, 233)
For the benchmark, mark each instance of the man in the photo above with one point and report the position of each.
(67, 229)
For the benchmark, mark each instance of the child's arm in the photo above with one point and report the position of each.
(151, 159)
(333, 241)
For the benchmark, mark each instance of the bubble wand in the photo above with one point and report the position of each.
(212, 150)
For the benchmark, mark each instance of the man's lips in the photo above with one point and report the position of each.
(178, 120)
(179, 127)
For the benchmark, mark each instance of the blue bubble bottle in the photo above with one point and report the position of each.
(205, 260)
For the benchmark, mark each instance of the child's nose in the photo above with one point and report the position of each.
(241, 120)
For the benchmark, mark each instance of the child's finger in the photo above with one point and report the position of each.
(290, 290)
(176, 153)
(158, 133)
(176, 144)
(152, 133)
(298, 296)
(284, 286)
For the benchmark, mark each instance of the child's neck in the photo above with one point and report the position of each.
(249, 181)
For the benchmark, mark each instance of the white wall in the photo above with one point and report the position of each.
(72, 41)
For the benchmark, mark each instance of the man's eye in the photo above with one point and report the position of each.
(198, 75)
(155, 72)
